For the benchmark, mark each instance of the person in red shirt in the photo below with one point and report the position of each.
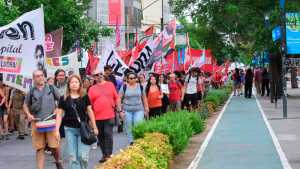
(104, 100)
(175, 96)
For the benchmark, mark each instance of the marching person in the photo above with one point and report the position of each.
(175, 89)
(190, 90)
(3, 114)
(60, 81)
(15, 106)
(134, 103)
(248, 83)
(257, 80)
(40, 106)
(154, 96)
(165, 90)
(104, 100)
(236, 82)
(75, 96)
(265, 82)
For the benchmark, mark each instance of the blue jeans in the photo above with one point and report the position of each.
(78, 152)
(131, 119)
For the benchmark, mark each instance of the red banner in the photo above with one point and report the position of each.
(115, 12)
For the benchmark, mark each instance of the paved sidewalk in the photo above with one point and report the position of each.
(241, 140)
(19, 154)
(286, 130)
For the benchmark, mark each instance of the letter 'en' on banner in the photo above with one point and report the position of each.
(23, 83)
(22, 44)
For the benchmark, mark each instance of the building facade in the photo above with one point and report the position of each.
(152, 12)
(125, 13)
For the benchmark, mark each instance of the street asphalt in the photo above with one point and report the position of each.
(19, 154)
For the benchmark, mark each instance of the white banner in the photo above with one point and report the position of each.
(69, 63)
(22, 44)
(144, 61)
(110, 57)
(23, 83)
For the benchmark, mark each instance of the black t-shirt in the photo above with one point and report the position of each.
(70, 119)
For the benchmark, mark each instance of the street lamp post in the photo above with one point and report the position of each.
(284, 51)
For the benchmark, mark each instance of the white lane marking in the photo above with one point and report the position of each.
(284, 161)
(195, 162)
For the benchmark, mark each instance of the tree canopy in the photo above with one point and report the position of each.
(68, 14)
(232, 29)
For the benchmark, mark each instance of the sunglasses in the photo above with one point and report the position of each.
(98, 74)
(132, 78)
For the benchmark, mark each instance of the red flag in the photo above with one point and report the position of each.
(136, 51)
(118, 33)
(93, 61)
(149, 31)
(125, 55)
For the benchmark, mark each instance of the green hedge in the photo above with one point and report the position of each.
(218, 96)
(178, 126)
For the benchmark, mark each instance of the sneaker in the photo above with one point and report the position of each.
(104, 158)
(1, 137)
(94, 146)
(59, 165)
(21, 137)
(120, 128)
(6, 137)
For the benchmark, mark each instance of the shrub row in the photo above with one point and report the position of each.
(216, 98)
(151, 152)
(178, 126)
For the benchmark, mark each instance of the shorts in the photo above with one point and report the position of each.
(3, 112)
(199, 95)
(40, 140)
(190, 98)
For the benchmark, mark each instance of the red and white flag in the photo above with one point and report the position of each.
(93, 60)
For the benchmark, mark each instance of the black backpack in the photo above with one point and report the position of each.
(190, 78)
(51, 92)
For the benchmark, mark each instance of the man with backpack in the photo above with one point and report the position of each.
(40, 108)
(190, 97)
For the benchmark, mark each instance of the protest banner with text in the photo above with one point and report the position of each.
(22, 44)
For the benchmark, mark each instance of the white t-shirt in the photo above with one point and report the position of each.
(191, 85)
(164, 88)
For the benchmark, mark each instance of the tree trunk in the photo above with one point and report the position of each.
(294, 78)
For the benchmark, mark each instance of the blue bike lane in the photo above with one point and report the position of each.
(241, 140)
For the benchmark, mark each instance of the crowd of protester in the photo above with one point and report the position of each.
(243, 82)
(103, 100)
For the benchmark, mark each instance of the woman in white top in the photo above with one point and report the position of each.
(165, 89)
